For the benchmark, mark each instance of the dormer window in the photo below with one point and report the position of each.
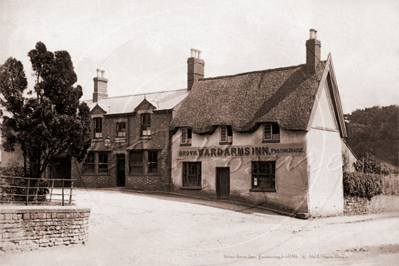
(226, 135)
(146, 124)
(98, 127)
(271, 133)
(186, 136)
(121, 130)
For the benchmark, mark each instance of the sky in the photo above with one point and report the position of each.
(143, 45)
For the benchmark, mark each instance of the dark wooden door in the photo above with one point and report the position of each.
(223, 182)
(61, 169)
(120, 170)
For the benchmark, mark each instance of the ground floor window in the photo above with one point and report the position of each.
(89, 163)
(143, 162)
(263, 175)
(103, 162)
(96, 163)
(191, 174)
(136, 162)
(153, 162)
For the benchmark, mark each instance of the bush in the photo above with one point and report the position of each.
(363, 185)
(390, 185)
(10, 186)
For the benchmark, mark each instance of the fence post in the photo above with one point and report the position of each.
(62, 192)
(37, 190)
(51, 191)
(27, 191)
(70, 194)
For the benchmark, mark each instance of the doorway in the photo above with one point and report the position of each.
(120, 170)
(223, 182)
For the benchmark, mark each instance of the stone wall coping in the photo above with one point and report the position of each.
(45, 209)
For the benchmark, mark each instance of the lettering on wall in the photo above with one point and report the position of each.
(242, 151)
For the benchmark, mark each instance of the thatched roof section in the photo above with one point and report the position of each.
(283, 95)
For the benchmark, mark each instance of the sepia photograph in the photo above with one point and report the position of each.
(199, 132)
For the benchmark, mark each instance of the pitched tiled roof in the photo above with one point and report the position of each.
(125, 104)
(282, 95)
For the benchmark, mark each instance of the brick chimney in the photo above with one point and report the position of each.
(312, 53)
(195, 68)
(100, 86)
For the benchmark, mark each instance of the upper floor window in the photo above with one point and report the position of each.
(226, 135)
(121, 130)
(186, 136)
(146, 124)
(98, 127)
(271, 133)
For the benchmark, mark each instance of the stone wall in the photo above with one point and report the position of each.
(26, 228)
(378, 204)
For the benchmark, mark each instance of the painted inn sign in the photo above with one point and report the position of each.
(243, 151)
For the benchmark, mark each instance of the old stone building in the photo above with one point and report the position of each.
(268, 137)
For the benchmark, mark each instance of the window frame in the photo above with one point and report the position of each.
(90, 163)
(187, 132)
(228, 133)
(269, 172)
(101, 168)
(145, 121)
(185, 175)
(119, 130)
(98, 127)
(152, 164)
(274, 133)
(136, 163)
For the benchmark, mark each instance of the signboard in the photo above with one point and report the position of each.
(296, 149)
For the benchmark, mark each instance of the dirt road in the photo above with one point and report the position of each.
(129, 228)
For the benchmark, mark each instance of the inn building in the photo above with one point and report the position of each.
(271, 137)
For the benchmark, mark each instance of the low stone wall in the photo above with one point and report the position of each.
(378, 204)
(25, 228)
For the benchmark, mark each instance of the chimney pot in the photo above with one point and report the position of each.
(313, 53)
(100, 86)
(313, 34)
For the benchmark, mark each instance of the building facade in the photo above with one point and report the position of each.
(267, 137)
(131, 140)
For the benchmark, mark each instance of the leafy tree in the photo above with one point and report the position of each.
(375, 130)
(49, 122)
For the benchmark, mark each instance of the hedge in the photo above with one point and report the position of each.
(363, 185)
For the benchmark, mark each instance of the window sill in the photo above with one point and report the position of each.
(97, 140)
(91, 174)
(270, 141)
(145, 137)
(225, 143)
(148, 174)
(185, 145)
(262, 190)
(190, 188)
(120, 139)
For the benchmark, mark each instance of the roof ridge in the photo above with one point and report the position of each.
(252, 72)
(122, 96)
